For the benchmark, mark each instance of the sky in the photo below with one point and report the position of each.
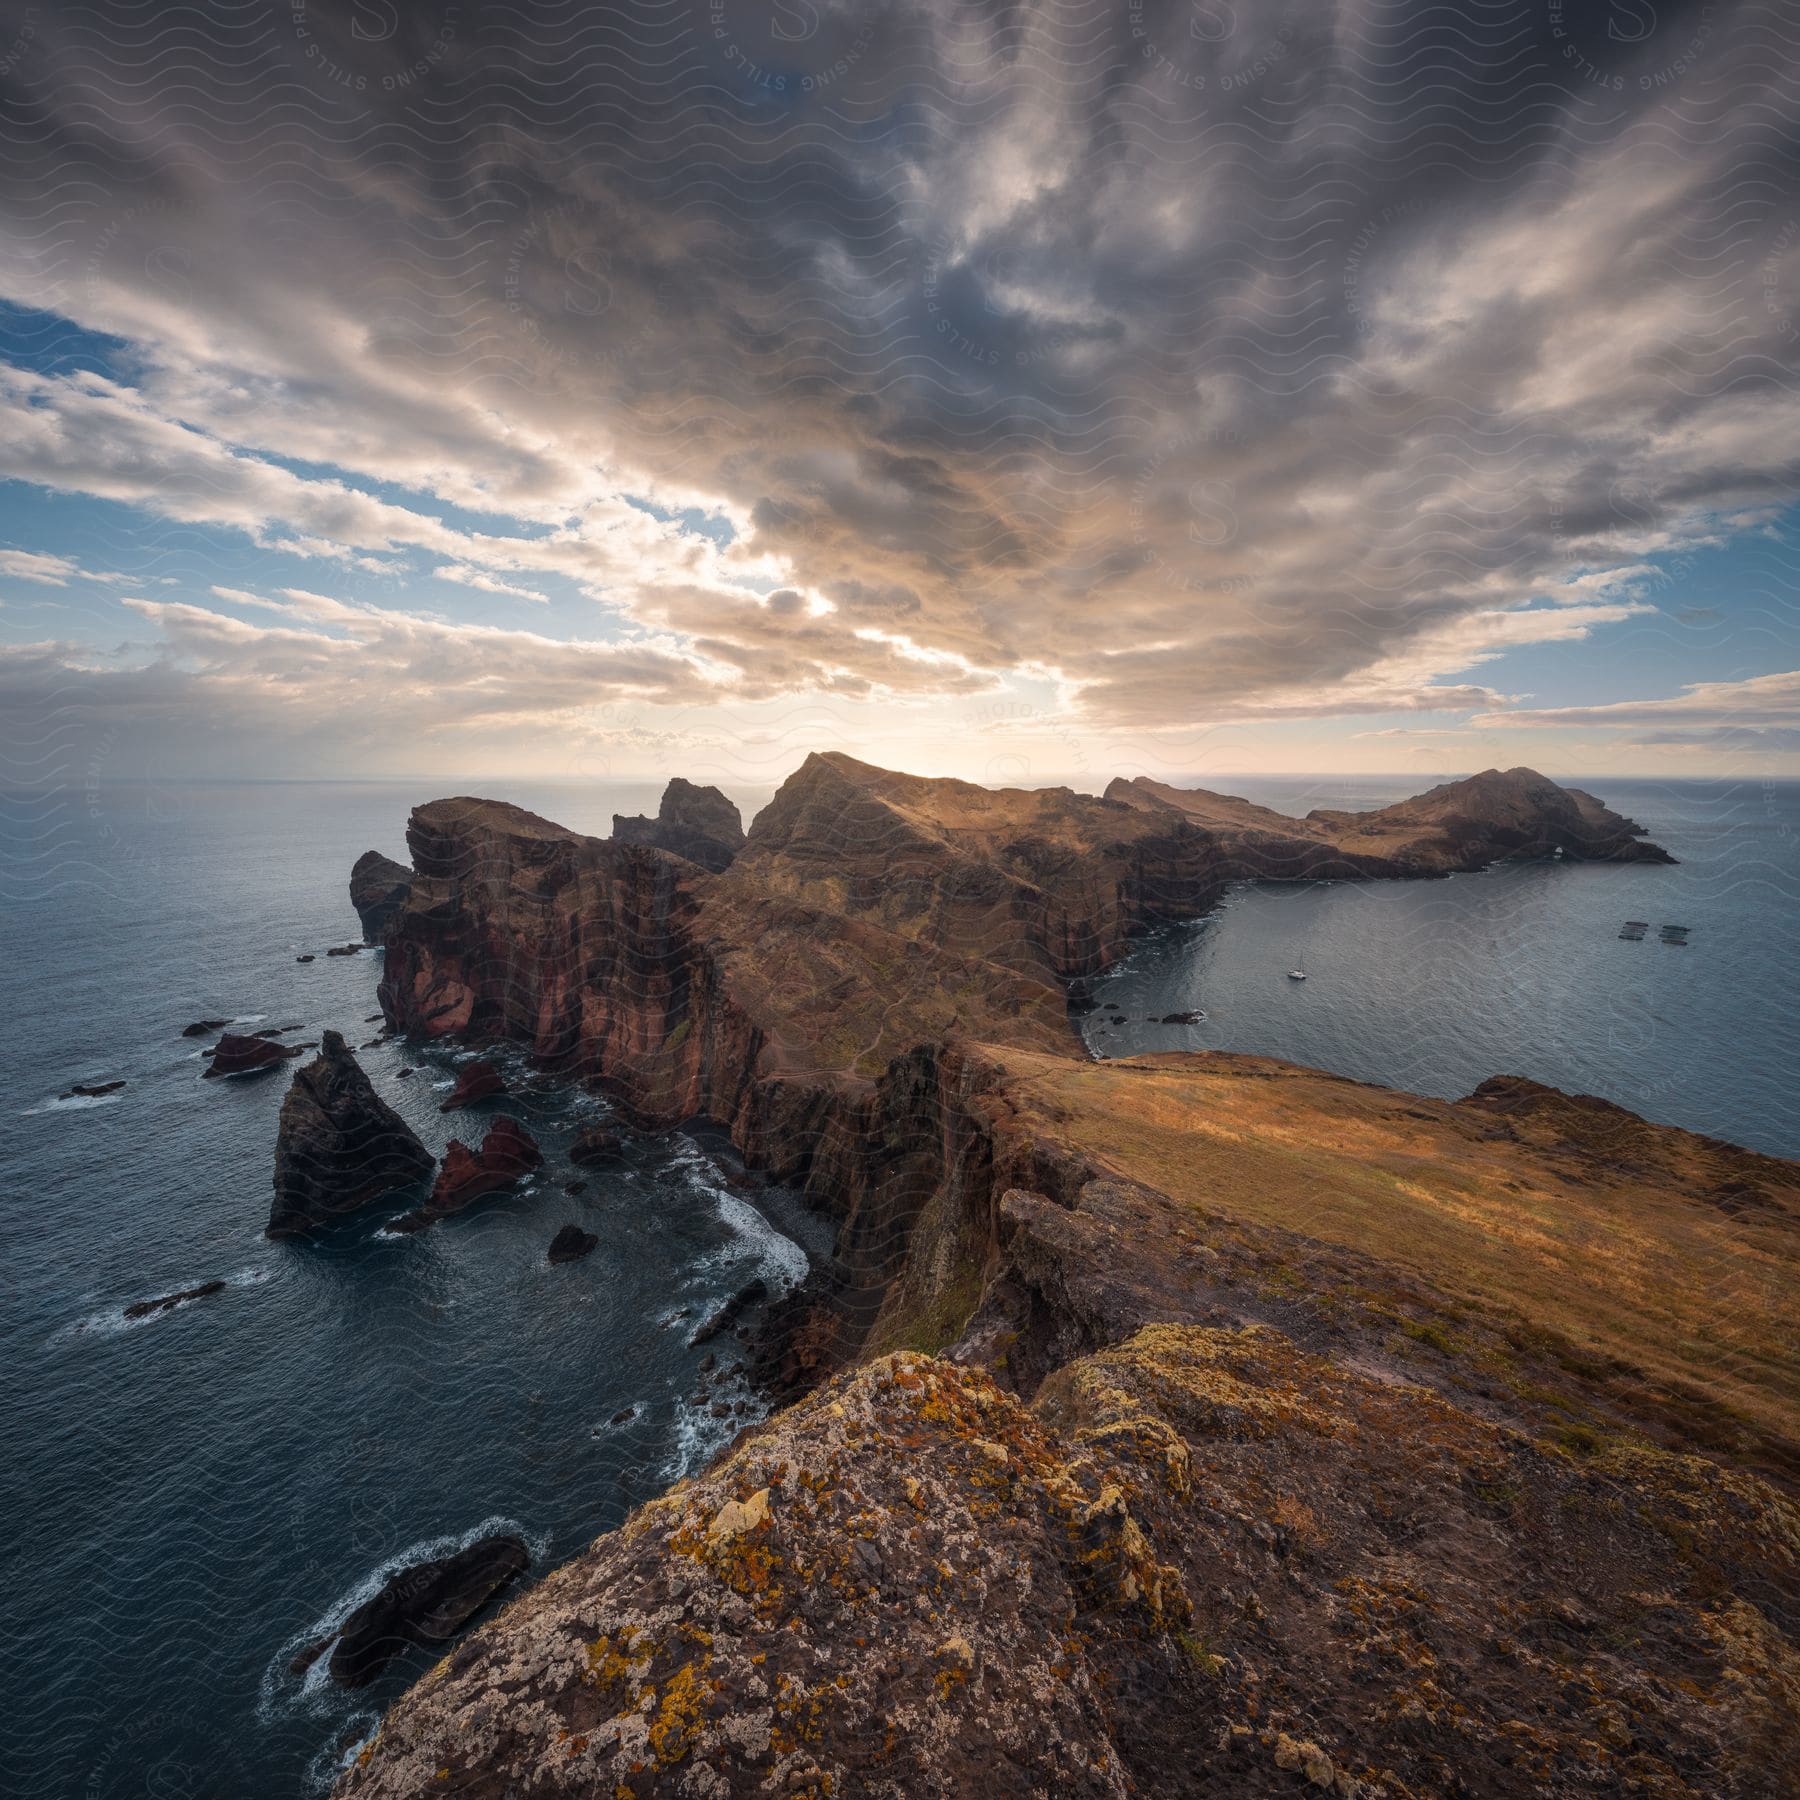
(1021, 392)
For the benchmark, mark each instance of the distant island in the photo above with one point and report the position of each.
(1189, 1422)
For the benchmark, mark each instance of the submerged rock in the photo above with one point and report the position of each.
(236, 1054)
(308, 957)
(204, 1027)
(340, 1145)
(475, 1081)
(426, 1604)
(142, 1309)
(84, 1090)
(571, 1244)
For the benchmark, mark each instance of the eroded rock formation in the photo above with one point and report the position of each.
(426, 1604)
(378, 887)
(340, 1145)
(698, 823)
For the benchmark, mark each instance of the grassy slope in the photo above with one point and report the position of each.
(1626, 1249)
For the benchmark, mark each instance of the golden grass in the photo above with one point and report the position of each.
(1627, 1256)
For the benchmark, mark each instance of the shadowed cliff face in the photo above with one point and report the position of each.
(1200, 1424)
(699, 823)
(1458, 827)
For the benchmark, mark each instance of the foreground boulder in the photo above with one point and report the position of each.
(1202, 1561)
(236, 1054)
(476, 1080)
(507, 1153)
(426, 1604)
(696, 822)
(339, 1146)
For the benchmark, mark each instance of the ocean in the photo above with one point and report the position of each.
(194, 1497)
(1518, 970)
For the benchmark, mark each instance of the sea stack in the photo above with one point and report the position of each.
(340, 1144)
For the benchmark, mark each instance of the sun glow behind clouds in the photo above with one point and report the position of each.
(879, 420)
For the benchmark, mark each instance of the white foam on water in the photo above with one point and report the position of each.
(276, 1692)
(62, 1103)
(780, 1262)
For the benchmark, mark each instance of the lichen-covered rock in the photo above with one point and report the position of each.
(1202, 1561)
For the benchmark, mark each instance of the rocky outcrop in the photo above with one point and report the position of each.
(339, 1146)
(1201, 1560)
(236, 1054)
(477, 1080)
(91, 1090)
(378, 888)
(508, 1153)
(1457, 827)
(144, 1309)
(426, 1604)
(698, 823)
(571, 1244)
(204, 1027)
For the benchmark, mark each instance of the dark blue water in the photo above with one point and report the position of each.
(1435, 985)
(190, 1498)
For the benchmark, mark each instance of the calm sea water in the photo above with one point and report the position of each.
(193, 1497)
(1435, 985)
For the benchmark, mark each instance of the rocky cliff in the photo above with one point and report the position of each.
(699, 823)
(1199, 1503)
(1458, 827)
(1194, 1423)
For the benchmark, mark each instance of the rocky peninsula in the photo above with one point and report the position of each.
(1189, 1423)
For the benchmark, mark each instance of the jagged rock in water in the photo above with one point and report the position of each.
(699, 823)
(598, 1144)
(571, 1244)
(476, 1080)
(340, 1145)
(507, 1153)
(378, 889)
(142, 1309)
(237, 1054)
(91, 1090)
(426, 1604)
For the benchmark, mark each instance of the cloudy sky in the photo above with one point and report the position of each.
(1022, 392)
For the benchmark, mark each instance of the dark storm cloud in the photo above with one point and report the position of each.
(1225, 360)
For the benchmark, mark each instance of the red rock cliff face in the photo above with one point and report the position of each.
(817, 999)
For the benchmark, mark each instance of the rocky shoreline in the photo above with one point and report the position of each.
(1107, 1473)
